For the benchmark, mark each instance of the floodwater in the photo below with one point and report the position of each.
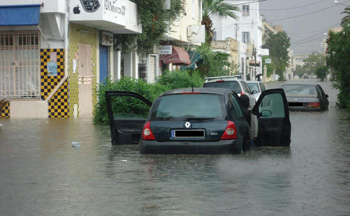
(42, 174)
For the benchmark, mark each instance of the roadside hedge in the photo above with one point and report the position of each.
(123, 105)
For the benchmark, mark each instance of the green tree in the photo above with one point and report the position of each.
(338, 58)
(314, 61)
(278, 44)
(216, 7)
(155, 20)
(322, 72)
(299, 70)
(213, 63)
(346, 19)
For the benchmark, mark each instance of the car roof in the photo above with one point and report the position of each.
(252, 81)
(225, 79)
(219, 91)
(300, 84)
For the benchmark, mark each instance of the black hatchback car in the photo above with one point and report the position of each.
(200, 120)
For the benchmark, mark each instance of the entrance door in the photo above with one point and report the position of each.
(85, 81)
(103, 64)
(274, 128)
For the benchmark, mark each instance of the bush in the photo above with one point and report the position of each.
(124, 106)
(180, 79)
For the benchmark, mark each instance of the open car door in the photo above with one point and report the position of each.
(274, 128)
(127, 113)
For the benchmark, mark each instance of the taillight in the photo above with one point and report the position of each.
(230, 131)
(147, 133)
(313, 105)
(220, 81)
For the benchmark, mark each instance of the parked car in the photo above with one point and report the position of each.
(256, 87)
(306, 97)
(239, 86)
(200, 120)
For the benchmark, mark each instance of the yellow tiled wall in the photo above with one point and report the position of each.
(80, 34)
(58, 104)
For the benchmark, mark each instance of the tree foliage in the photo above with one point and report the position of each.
(155, 21)
(216, 7)
(213, 63)
(338, 58)
(313, 62)
(321, 72)
(278, 44)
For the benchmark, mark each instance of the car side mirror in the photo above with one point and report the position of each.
(254, 91)
(266, 113)
(327, 96)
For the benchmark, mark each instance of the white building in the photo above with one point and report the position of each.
(54, 53)
(247, 29)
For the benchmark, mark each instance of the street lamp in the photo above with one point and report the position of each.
(336, 2)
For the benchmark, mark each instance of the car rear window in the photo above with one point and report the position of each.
(253, 86)
(233, 85)
(189, 106)
(300, 90)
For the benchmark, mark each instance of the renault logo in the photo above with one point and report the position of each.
(187, 124)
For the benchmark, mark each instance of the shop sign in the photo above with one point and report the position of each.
(106, 38)
(165, 50)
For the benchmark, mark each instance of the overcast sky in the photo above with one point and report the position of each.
(305, 21)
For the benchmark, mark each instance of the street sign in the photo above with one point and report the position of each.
(267, 61)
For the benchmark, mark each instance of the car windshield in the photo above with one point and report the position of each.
(300, 90)
(233, 85)
(253, 86)
(189, 107)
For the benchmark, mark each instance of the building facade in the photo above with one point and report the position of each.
(247, 29)
(54, 54)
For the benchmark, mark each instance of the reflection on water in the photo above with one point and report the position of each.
(42, 174)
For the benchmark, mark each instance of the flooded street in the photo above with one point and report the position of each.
(42, 174)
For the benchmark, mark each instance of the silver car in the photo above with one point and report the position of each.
(256, 88)
(238, 86)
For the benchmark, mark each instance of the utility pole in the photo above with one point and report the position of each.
(236, 24)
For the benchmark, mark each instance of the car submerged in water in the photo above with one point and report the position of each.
(306, 97)
(200, 120)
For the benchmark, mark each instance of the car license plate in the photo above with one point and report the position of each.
(193, 133)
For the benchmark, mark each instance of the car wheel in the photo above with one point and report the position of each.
(246, 144)
(239, 149)
(142, 149)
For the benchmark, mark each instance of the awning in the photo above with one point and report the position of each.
(19, 15)
(194, 57)
(179, 56)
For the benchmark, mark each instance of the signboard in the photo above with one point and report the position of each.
(52, 68)
(165, 50)
(267, 61)
(167, 4)
(106, 38)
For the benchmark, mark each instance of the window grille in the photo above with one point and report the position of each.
(20, 64)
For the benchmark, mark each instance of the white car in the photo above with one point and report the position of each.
(238, 86)
(256, 87)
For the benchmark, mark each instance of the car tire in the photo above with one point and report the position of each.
(239, 149)
(142, 149)
(246, 145)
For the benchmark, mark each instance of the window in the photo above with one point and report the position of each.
(236, 108)
(273, 103)
(245, 37)
(245, 10)
(20, 64)
(184, 106)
